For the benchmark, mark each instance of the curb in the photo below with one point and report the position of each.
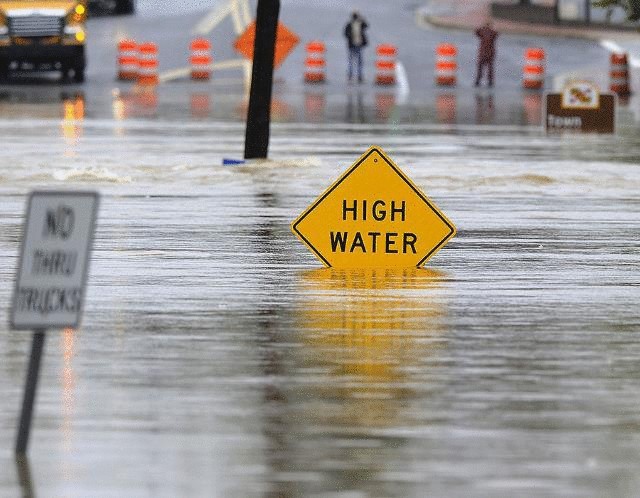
(511, 27)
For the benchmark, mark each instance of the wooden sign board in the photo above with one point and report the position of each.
(580, 108)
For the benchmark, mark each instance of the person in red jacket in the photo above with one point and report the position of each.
(486, 51)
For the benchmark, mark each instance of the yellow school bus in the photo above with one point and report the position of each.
(43, 35)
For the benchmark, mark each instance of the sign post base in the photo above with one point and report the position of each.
(30, 392)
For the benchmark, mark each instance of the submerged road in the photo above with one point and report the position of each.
(218, 358)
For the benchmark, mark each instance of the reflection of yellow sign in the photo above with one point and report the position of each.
(373, 216)
(375, 332)
(580, 95)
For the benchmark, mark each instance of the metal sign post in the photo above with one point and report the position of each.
(30, 392)
(51, 278)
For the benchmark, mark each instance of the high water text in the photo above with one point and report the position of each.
(386, 242)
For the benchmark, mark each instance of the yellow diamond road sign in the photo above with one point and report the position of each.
(373, 216)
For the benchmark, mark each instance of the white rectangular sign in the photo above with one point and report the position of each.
(56, 245)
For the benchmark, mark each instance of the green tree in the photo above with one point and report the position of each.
(632, 7)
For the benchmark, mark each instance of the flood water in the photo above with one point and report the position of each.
(218, 358)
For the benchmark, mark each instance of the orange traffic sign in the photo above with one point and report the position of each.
(286, 41)
(373, 216)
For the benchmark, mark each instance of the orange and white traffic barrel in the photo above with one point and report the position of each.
(315, 63)
(386, 64)
(446, 65)
(619, 74)
(200, 59)
(533, 77)
(127, 60)
(148, 64)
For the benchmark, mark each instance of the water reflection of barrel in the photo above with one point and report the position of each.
(200, 105)
(532, 106)
(446, 105)
(146, 102)
(142, 102)
(314, 106)
(368, 329)
(385, 104)
(280, 110)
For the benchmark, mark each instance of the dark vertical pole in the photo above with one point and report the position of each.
(259, 115)
(30, 392)
(588, 11)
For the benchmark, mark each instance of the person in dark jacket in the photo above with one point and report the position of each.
(356, 33)
(486, 51)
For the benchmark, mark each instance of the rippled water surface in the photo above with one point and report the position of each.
(217, 358)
